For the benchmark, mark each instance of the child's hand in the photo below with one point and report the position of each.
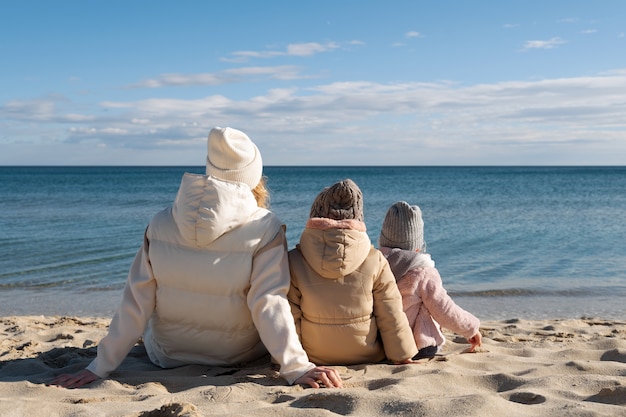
(476, 341)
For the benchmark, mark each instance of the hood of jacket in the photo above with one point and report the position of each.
(205, 208)
(334, 248)
(402, 261)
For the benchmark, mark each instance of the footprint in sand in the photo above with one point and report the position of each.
(61, 336)
(402, 408)
(614, 355)
(381, 383)
(336, 403)
(174, 410)
(614, 396)
(528, 398)
(217, 394)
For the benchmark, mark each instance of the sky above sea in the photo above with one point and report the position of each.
(314, 83)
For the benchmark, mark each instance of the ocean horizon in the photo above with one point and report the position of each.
(509, 241)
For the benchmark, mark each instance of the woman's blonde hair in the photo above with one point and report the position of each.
(262, 194)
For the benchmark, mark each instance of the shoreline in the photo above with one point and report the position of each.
(102, 303)
(573, 367)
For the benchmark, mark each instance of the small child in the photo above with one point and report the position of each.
(343, 296)
(425, 301)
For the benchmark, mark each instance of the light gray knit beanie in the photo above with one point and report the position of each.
(341, 201)
(232, 156)
(403, 228)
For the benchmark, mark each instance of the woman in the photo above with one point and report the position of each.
(209, 284)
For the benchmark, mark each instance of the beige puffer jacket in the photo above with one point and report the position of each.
(344, 297)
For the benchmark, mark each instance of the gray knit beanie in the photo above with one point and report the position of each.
(403, 228)
(341, 201)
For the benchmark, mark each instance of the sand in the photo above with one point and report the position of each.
(525, 368)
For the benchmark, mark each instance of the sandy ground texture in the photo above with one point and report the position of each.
(525, 368)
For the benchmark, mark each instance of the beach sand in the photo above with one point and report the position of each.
(525, 368)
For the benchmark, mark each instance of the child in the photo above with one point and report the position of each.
(343, 295)
(425, 301)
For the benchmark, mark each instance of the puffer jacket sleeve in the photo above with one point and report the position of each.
(392, 323)
(294, 296)
(271, 313)
(443, 309)
(131, 317)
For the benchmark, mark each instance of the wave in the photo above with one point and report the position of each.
(613, 291)
(97, 271)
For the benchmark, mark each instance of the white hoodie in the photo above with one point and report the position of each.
(208, 286)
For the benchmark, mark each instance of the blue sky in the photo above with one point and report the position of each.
(314, 83)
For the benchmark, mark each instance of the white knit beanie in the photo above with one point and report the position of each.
(403, 228)
(232, 156)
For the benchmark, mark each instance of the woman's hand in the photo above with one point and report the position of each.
(75, 380)
(321, 376)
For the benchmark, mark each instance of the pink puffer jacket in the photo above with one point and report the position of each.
(424, 300)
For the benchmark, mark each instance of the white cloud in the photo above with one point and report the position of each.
(549, 44)
(77, 117)
(308, 49)
(294, 49)
(444, 120)
(412, 34)
(285, 72)
(40, 109)
(589, 31)
(114, 131)
(236, 75)
(182, 80)
(47, 109)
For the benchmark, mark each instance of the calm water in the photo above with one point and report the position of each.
(525, 242)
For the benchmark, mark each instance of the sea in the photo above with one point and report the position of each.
(527, 242)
